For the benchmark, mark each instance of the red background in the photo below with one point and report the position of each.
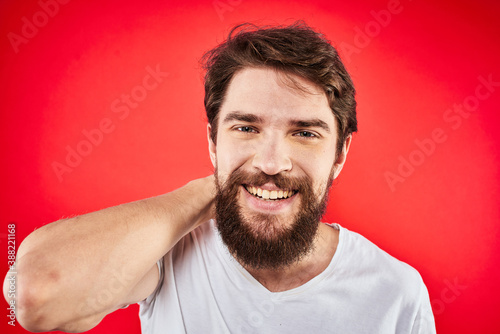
(441, 216)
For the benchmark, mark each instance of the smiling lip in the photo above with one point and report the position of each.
(266, 192)
(262, 203)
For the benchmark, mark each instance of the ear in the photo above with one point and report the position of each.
(211, 146)
(339, 164)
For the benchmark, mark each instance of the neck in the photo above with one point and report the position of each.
(299, 273)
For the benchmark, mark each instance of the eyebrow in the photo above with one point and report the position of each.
(251, 118)
(242, 117)
(310, 123)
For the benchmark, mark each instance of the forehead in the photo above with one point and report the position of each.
(275, 97)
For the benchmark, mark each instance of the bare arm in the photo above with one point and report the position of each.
(73, 272)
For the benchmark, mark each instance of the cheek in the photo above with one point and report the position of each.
(318, 167)
(317, 161)
(230, 157)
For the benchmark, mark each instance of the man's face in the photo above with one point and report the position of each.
(274, 160)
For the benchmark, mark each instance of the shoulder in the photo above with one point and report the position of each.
(197, 244)
(362, 258)
(189, 253)
(202, 235)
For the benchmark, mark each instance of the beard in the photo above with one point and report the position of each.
(265, 241)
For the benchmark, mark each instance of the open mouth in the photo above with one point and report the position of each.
(269, 194)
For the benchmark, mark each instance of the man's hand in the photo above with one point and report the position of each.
(205, 187)
(73, 272)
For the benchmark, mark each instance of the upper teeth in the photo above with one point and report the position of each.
(269, 194)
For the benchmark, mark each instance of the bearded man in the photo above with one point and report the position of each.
(244, 250)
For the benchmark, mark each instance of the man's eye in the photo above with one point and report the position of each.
(305, 134)
(245, 129)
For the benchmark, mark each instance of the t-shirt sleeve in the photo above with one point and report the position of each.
(424, 321)
(147, 304)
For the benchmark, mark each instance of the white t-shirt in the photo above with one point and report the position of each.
(203, 289)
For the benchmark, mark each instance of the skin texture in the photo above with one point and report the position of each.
(273, 125)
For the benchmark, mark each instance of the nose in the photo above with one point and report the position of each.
(272, 156)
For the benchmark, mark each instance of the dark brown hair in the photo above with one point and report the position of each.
(296, 49)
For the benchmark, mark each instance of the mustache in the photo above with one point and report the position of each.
(239, 177)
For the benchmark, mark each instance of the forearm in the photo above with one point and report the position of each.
(86, 266)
